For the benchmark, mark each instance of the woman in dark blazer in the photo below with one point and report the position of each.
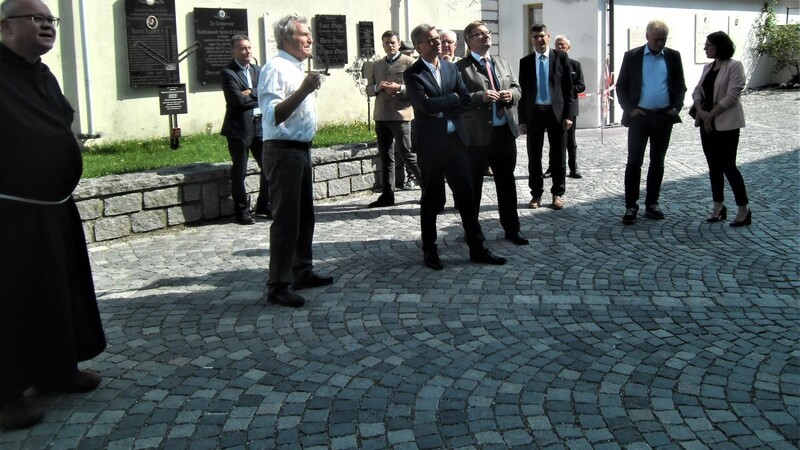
(720, 116)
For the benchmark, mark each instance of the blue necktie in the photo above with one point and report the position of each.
(542, 76)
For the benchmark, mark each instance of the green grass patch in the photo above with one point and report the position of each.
(138, 155)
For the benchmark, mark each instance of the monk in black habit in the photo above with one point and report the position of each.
(49, 320)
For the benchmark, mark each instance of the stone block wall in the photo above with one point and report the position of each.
(119, 206)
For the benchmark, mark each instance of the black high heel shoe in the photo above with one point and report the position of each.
(723, 214)
(747, 220)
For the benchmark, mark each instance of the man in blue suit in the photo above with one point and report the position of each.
(438, 96)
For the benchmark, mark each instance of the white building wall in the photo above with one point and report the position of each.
(122, 112)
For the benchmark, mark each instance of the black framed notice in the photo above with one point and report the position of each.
(152, 42)
(213, 29)
(366, 39)
(331, 39)
(172, 98)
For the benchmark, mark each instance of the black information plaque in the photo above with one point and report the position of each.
(331, 39)
(172, 98)
(366, 39)
(152, 42)
(213, 28)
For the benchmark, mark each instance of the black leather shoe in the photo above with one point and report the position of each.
(266, 214)
(630, 216)
(83, 381)
(741, 223)
(286, 297)
(516, 238)
(311, 280)
(575, 174)
(432, 260)
(20, 413)
(484, 255)
(244, 218)
(381, 202)
(547, 174)
(654, 212)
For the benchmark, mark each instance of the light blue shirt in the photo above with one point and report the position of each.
(543, 95)
(280, 78)
(496, 121)
(437, 75)
(655, 89)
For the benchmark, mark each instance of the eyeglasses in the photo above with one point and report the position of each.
(487, 33)
(38, 19)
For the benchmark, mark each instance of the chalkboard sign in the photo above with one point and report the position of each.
(152, 42)
(213, 28)
(331, 39)
(366, 39)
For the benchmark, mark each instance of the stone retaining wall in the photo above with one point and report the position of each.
(119, 206)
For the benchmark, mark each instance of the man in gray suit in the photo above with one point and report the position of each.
(393, 114)
(490, 124)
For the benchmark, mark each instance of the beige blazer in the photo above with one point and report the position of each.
(727, 89)
(390, 107)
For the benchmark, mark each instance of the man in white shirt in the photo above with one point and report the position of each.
(286, 96)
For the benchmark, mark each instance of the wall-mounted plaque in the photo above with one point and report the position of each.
(331, 39)
(152, 42)
(366, 39)
(172, 98)
(213, 28)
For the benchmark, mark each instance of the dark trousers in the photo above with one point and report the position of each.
(501, 156)
(720, 148)
(238, 149)
(544, 120)
(290, 174)
(399, 132)
(657, 127)
(572, 147)
(451, 163)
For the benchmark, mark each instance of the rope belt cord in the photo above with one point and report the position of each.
(32, 201)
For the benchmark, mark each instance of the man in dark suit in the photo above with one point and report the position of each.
(546, 105)
(438, 96)
(578, 86)
(651, 90)
(490, 124)
(242, 127)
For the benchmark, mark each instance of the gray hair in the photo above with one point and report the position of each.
(419, 31)
(656, 24)
(563, 37)
(5, 7)
(450, 33)
(286, 27)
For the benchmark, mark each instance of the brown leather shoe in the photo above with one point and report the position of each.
(557, 202)
(21, 413)
(83, 381)
(535, 203)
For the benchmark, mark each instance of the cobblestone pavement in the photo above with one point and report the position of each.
(664, 334)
